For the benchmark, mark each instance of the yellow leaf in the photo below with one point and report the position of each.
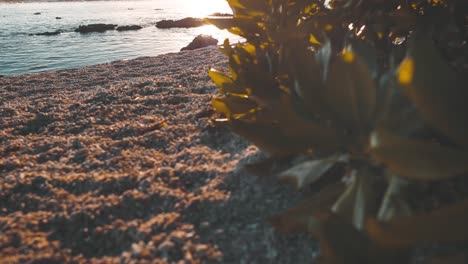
(221, 106)
(237, 105)
(235, 4)
(250, 49)
(380, 35)
(219, 78)
(406, 71)
(236, 58)
(313, 40)
(348, 56)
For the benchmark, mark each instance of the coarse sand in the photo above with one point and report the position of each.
(118, 163)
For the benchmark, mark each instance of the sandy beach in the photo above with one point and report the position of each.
(118, 163)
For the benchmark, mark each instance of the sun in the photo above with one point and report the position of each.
(204, 8)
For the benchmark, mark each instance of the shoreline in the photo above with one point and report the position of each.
(109, 63)
(117, 162)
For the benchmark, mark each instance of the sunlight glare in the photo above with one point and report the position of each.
(204, 8)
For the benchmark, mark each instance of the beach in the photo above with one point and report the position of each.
(118, 162)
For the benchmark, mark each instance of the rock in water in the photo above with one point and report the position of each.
(201, 41)
(58, 17)
(125, 28)
(52, 33)
(218, 14)
(95, 28)
(187, 22)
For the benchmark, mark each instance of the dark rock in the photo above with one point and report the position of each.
(217, 14)
(58, 18)
(51, 33)
(37, 13)
(95, 28)
(125, 28)
(187, 22)
(201, 41)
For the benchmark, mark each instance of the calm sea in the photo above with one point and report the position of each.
(23, 53)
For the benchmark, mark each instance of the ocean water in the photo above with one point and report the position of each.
(23, 53)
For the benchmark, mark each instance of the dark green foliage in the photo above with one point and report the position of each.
(367, 84)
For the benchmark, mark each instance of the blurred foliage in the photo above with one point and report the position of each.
(376, 86)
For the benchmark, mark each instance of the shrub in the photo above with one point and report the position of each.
(363, 84)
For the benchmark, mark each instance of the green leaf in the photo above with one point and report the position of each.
(266, 167)
(395, 111)
(339, 241)
(323, 57)
(447, 224)
(367, 53)
(308, 171)
(297, 219)
(435, 90)
(306, 132)
(394, 202)
(416, 159)
(307, 78)
(350, 91)
(267, 137)
(358, 201)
